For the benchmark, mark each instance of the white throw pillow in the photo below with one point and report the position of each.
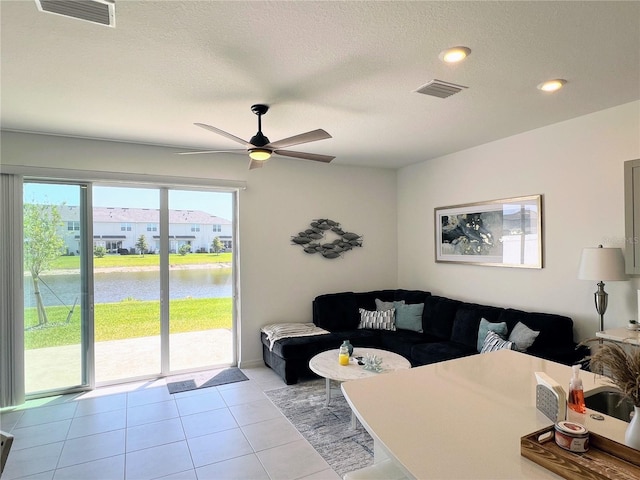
(494, 342)
(380, 320)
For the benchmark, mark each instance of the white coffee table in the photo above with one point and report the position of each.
(326, 365)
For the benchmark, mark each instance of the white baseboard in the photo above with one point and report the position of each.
(251, 364)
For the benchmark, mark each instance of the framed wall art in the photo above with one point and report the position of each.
(499, 233)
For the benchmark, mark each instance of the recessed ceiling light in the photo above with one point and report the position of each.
(454, 54)
(552, 85)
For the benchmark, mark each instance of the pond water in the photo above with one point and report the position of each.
(59, 290)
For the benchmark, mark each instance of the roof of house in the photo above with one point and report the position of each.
(142, 215)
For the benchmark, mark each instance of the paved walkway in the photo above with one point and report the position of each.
(117, 360)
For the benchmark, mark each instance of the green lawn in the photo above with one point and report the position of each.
(127, 319)
(68, 262)
(130, 319)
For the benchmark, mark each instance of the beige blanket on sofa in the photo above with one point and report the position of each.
(276, 331)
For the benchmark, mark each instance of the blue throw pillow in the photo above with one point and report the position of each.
(409, 316)
(486, 326)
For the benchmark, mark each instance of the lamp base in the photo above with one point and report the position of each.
(601, 299)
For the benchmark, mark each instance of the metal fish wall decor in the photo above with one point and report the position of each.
(312, 239)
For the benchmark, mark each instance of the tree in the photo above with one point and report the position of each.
(142, 245)
(184, 249)
(99, 251)
(42, 245)
(217, 245)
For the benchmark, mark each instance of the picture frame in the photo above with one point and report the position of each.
(496, 233)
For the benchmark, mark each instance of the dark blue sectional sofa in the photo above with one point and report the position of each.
(450, 330)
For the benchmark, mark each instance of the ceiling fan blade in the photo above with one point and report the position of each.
(238, 150)
(224, 134)
(256, 163)
(305, 156)
(311, 136)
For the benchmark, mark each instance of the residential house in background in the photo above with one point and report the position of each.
(119, 229)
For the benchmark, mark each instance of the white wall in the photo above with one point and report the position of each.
(577, 166)
(278, 280)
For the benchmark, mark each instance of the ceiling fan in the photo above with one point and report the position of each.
(260, 148)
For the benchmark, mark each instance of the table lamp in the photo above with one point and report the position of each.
(601, 264)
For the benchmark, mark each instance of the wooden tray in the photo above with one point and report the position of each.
(605, 459)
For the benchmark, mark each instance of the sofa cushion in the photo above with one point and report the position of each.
(426, 353)
(410, 296)
(465, 326)
(466, 322)
(485, 327)
(400, 341)
(555, 330)
(409, 316)
(336, 311)
(339, 311)
(438, 315)
(377, 319)
(363, 337)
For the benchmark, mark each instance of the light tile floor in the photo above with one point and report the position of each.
(140, 431)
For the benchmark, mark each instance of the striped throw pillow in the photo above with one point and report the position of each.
(382, 320)
(494, 342)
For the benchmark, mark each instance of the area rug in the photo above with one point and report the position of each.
(328, 429)
(211, 378)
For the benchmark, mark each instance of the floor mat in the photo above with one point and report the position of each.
(212, 378)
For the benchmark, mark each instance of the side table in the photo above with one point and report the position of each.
(622, 335)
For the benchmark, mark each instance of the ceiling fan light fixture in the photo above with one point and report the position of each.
(260, 154)
(552, 85)
(454, 54)
(260, 148)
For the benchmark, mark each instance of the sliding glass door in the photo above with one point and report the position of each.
(163, 281)
(200, 280)
(126, 276)
(56, 287)
(124, 283)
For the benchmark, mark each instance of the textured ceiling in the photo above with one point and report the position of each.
(348, 67)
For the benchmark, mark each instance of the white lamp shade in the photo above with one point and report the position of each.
(600, 263)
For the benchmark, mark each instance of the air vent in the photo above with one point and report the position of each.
(102, 12)
(438, 88)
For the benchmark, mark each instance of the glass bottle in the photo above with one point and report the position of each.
(576, 392)
(343, 355)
